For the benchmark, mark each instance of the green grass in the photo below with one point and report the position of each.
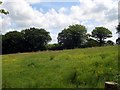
(82, 68)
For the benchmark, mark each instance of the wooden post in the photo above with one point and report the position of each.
(111, 86)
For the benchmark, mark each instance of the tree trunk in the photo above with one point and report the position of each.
(100, 42)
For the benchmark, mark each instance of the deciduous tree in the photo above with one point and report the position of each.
(35, 39)
(73, 36)
(101, 33)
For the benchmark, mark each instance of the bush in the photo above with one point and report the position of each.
(54, 47)
(91, 43)
(109, 42)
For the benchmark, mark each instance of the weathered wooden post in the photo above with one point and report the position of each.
(111, 86)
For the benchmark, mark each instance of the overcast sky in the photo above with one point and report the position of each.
(55, 15)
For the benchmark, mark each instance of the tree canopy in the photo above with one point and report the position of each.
(35, 38)
(101, 33)
(11, 42)
(32, 39)
(73, 36)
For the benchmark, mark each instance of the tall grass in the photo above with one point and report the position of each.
(77, 68)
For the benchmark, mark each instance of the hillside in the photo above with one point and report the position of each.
(83, 68)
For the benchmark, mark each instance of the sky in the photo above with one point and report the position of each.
(55, 15)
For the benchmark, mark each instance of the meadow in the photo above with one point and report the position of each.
(75, 68)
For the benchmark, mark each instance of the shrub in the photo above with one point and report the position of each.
(54, 47)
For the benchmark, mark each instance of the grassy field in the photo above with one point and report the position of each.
(82, 68)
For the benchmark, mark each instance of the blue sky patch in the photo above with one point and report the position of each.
(46, 6)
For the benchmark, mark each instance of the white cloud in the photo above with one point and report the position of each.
(62, 10)
(33, 1)
(38, 1)
(90, 13)
(5, 23)
(53, 36)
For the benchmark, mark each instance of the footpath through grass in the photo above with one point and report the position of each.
(82, 68)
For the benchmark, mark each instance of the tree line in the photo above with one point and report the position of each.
(35, 39)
